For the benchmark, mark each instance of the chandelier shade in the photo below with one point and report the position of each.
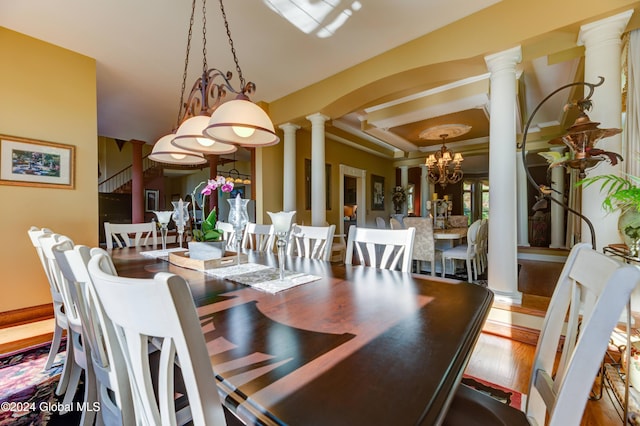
(241, 122)
(189, 137)
(164, 152)
(227, 123)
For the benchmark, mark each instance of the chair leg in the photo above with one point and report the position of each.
(72, 386)
(469, 271)
(69, 362)
(55, 346)
(90, 395)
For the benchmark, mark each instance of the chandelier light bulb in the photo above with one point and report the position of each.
(205, 141)
(178, 156)
(243, 132)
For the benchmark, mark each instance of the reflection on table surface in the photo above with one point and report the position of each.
(359, 346)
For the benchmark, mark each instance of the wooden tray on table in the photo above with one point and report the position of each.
(182, 259)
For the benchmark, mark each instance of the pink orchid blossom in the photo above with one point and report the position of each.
(227, 187)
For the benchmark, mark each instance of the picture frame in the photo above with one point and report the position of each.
(32, 162)
(377, 192)
(151, 200)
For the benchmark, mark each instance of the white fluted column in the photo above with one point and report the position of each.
(404, 182)
(557, 211)
(289, 167)
(318, 179)
(523, 203)
(424, 190)
(603, 58)
(503, 248)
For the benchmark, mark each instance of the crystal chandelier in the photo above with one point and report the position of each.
(444, 167)
(207, 122)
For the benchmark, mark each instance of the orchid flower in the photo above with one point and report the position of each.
(208, 231)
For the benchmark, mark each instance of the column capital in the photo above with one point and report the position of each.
(137, 142)
(504, 61)
(403, 167)
(317, 118)
(289, 127)
(605, 30)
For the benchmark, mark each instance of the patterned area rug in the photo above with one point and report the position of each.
(502, 394)
(25, 386)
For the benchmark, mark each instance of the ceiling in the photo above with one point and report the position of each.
(139, 47)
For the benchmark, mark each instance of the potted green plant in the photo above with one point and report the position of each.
(622, 194)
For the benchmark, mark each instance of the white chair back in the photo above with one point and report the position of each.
(592, 289)
(78, 354)
(381, 248)
(58, 307)
(130, 234)
(258, 237)
(380, 223)
(168, 313)
(590, 294)
(395, 223)
(112, 381)
(466, 252)
(229, 234)
(313, 242)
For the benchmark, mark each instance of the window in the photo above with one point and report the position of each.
(475, 198)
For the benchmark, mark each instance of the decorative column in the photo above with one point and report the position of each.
(137, 183)
(404, 182)
(603, 47)
(523, 204)
(557, 211)
(503, 247)
(289, 167)
(318, 179)
(424, 190)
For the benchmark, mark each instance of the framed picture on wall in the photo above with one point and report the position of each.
(30, 162)
(377, 192)
(151, 200)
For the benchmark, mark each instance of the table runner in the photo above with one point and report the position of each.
(161, 254)
(262, 277)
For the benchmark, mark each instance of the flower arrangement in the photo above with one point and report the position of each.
(398, 195)
(208, 231)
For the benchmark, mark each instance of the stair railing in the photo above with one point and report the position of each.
(123, 176)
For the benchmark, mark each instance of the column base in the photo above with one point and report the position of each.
(513, 298)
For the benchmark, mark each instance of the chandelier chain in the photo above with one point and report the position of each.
(186, 63)
(233, 49)
(204, 37)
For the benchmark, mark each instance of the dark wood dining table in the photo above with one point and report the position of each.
(360, 346)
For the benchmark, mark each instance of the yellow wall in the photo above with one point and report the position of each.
(46, 93)
(335, 154)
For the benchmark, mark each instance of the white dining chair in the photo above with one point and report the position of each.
(381, 248)
(76, 356)
(60, 319)
(590, 294)
(312, 242)
(380, 223)
(229, 234)
(396, 224)
(169, 315)
(111, 377)
(130, 234)
(258, 237)
(466, 252)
